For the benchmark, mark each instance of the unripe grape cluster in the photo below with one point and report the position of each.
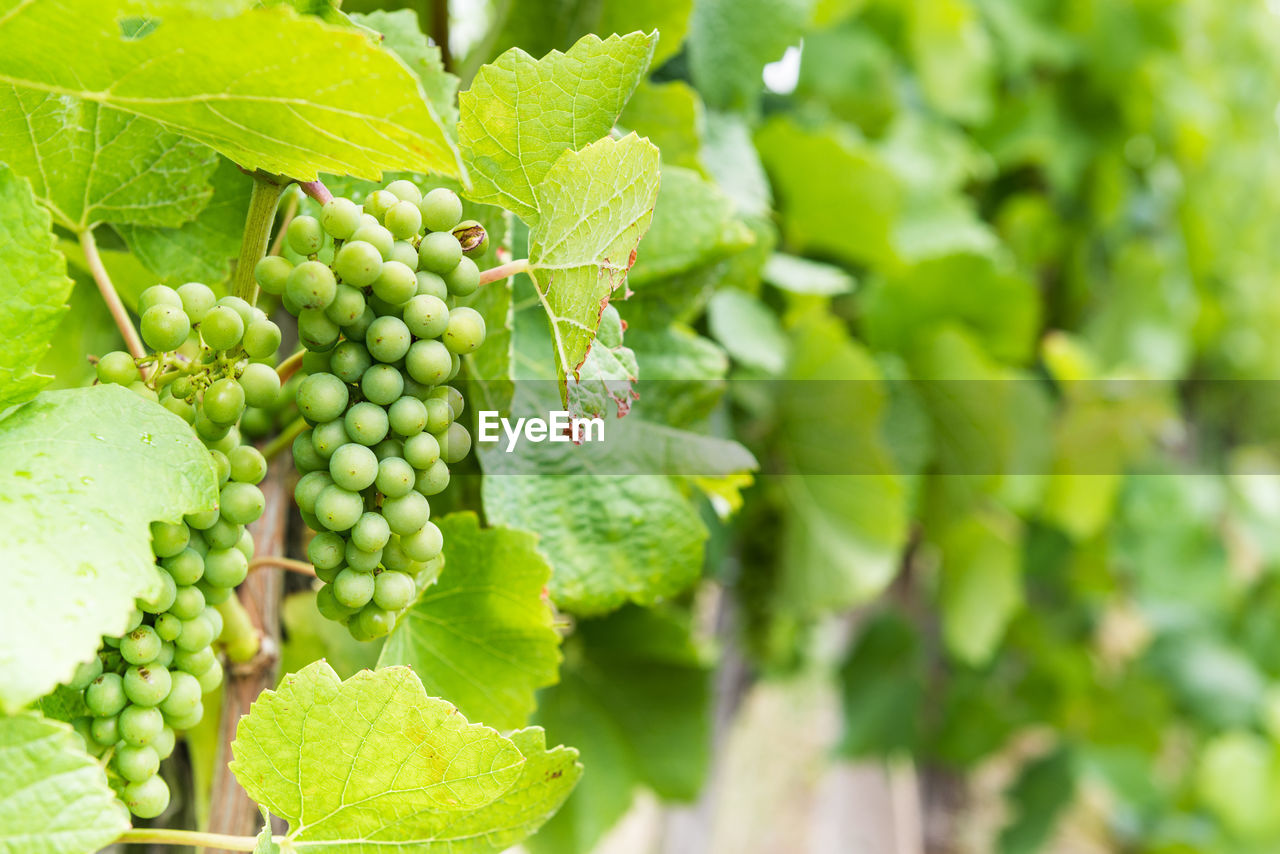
(207, 366)
(384, 336)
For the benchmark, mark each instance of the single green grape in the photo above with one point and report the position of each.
(378, 237)
(353, 589)
(347, 306)
(388, 339)
(197, 300)
(349, 361)
(180, 408)
(403, 220)
(165, 658)
(407, 254)
(118, 367)
(371, 532)
(226, 443)
(406, 514)
(337, 508)
(395, 477)
(260, 384)
(379, 202)
(423, 544)
(439, 253)
(373, 622)
(428, 362)
(136, 764)
(361, 560)
(465, 332)
(311, 285)
(395, 559)
(222, 328)
(183, 698)
(160, 599)
(358, 263)
(140, 725)
(393, 591)
(226, 567)
(261, 339)
(240, 307)
(169, 539)
(316, 331)
(357, 331)
(441, 210)
(165, 327)
(426, 316)
(105, 730)
(407, 416)
(439, 416)
(272, 274)
(353, 467)
(473, 238)
(188, 604)
(140, 646)
(322, 397)
(224, 533)
(105, 695)
(406, 191)
(158, 295)
(146, 798)
(329, 437)
(340, 218)
(388, 447)
(305, 457)
(196, 632)
(168, 627)
(366, 423)
(431, 284)
(451, 395)
(382, 384)
(329, 607)
(147, 684)
(433, 479)
(325, 550)
(396, 283)
(224, 401)
(463, 279)
(194, 662)
(241, 504)
(85, 673)
(305, 235)
(211, 677)
(164, 743)
(421, 450)
(456, 444)
(309, 487)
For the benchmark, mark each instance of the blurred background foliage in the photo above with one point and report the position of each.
(1068, 570)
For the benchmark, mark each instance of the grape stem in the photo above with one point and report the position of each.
(282, 442)
(277, 562)
(289, 366)
(118, 312)
(502, 271)
(316, 190)
(257, 233)
(174, 836)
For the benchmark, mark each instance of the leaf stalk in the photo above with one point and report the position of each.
(257, 233)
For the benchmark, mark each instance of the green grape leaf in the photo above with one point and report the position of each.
(882, 684)
(482, 635)
(954, 57)
(749, 330)
(34, 298)
(731, 41)
(241, 80)
(201, 250)
(604, 383)
(686, 370)
(847, 514)
(86, 328)
(636, 699)
(374, 761)
(266, 843)
(89, 163)
(520, 115)
(693, 225)
(671, 115)
(600, 202)
(981, 585)
(803, 276)
(836, 194)
(54, 797)
(103, 463)
(1042, 793)
(404, 37)
(540, 28)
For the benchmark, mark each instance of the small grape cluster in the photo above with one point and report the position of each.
(384, 336)
(144, 686)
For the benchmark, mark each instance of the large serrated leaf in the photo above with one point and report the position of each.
(90, 163)
(244, 84)
(599, 203)
(520, 114)
(373, 762)
(54, 797)
(482, 635)
(35, 289)
(82, 475)
(542, 27)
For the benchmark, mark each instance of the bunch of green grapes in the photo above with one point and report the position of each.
(384, 335)
(207, 365)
